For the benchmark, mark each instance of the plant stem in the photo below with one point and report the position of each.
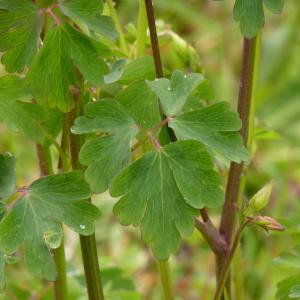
(111, 5)
(245, 105)
(226, 268)
(87, 243)
(142, 29)
(154, 39)
(165, 277)
(60, 284)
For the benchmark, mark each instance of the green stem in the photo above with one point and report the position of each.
(60, 284)
(226, 268)
(87, 243)
(111, 5)
(142, 29)
(165, 277)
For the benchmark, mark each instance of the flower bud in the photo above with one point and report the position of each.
(260, 199)
(267, 223)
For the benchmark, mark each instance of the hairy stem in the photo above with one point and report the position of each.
(245, 106)
(87, 243)
(60, 284)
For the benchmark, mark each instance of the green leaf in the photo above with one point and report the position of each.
(141, 68)
(103, 116)
(105, 156)
(295, 292)
(216, 127)
(20, 29)
(89, 12)
(141, 103)
(285, 286)
(250, 14)
(2, 272)
(85, 53)
(13, 87)
(157, 193)
(52, 72)
(275, 6)
(7, 175)
(37, 123)
(174, 93)
(35, 219)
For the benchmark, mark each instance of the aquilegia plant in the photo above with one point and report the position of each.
(156, 143)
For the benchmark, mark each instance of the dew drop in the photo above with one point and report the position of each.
(185, 76)
(169, 89)
(82, 226)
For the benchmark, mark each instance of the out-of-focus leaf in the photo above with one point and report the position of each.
(20, 28)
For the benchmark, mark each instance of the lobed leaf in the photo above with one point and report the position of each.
(174, 93)
(141, 103)
(52, 72)
(89, 13)
(161, 191)
(35, 219)
(37, 122)
(250, 14)
(216, 127)
(105, 156)
(20, 28)
(7, 176)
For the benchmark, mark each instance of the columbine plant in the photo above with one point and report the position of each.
(151, 141)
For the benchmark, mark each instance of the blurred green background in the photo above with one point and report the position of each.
(128, 264)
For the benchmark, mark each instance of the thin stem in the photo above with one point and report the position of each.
(87, 243)
(235, 173)
(60, 284)
(154, 39)
(142, 29)
(226, 268)
(111, 5)
(164, 270)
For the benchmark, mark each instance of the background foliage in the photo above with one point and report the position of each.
(210, 28)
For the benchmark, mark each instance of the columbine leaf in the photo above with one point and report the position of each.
(214, 126)
(85, 53)
(35, 219)
(52, 72)
(20, 28)
(295, 292)
(157, 193)
(141, 103)
(250, 14)
(89, 13)
(174, 93)
(105, 115)
(105, 156)
(285, 287)
(37, 122)
(7, 176)
(139, 69)
(275, 6)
